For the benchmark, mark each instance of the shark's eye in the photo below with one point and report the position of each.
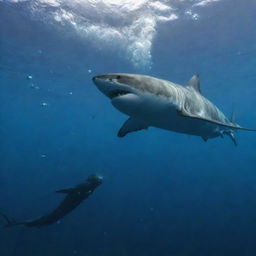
(118, 77)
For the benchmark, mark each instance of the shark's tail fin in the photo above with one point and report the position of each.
(10, 222)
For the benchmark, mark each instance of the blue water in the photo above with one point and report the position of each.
(163, 193)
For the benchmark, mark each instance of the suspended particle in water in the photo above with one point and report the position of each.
(89, 71)
(44, 104)
(43, 156)
(34, 86)
(29, 77)
(70, 93)
(194, 16)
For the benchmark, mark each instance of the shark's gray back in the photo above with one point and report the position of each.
(198, 105)
(185, 98)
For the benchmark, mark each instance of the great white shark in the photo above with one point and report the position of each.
(149, 101)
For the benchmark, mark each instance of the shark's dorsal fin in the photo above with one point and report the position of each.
(233, 117)
(65, 190)
(131, 125)
(194, 83)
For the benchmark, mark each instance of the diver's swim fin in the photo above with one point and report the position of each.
(10, 222)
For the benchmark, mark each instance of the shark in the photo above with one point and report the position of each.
(74, 196)
(154, 102)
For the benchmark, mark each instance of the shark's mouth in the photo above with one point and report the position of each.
(116, 93)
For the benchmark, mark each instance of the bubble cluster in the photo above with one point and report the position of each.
(128, 26)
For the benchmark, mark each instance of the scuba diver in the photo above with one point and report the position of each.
(73, 197)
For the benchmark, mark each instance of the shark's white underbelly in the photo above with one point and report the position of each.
(160, 112)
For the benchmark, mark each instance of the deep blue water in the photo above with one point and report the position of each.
(163, 193)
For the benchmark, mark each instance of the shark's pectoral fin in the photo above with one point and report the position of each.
(65, 190)
(184, 113)
(132, 125)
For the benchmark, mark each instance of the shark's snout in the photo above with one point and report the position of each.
(106, 78)
(97, 79)
(111, 85)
